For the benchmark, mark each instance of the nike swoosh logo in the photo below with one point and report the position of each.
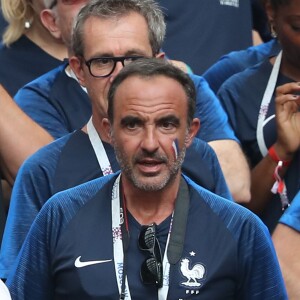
(80, 264)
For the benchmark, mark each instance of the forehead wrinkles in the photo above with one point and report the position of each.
(120, 35)
(149, 107)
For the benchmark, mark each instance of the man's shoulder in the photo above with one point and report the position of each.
(50, 155)
(74, 204)
(222, 208)
(47, 155)
(204, 92)
(200, 146)
(47, 101)
(77, 162)
(77, 197)
(40, 88)
(199, 164)
(45, 81)
(199, 81)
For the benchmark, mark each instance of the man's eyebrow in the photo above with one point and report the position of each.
(134, 119)
(169, 118)
(130, 119)
(132, 52)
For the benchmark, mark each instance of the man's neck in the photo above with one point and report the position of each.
(148, 207)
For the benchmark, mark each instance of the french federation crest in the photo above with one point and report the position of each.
(192, 273)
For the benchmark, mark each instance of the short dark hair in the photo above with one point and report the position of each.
(151, 67)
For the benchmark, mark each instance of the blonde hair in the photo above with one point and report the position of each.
(16, 13)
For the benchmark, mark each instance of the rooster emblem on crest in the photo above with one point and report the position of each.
(196, 272)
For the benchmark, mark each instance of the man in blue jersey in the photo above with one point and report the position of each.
(86, 154)
(147, 232)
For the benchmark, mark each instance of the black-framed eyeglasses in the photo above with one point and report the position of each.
(104, 66)
(151, 269)
(66, 2)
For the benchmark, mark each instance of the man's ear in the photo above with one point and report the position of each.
(48, 19)
(76, 66)
(107, 130)
(195, 126)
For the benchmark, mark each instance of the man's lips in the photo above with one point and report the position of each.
(150, 161)
(150, 165)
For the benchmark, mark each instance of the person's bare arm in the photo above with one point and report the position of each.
(288, 142)
(235, 168)
(287, 244)
(262, 181)
(20, 136)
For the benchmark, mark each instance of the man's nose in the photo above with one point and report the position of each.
(150, 140)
